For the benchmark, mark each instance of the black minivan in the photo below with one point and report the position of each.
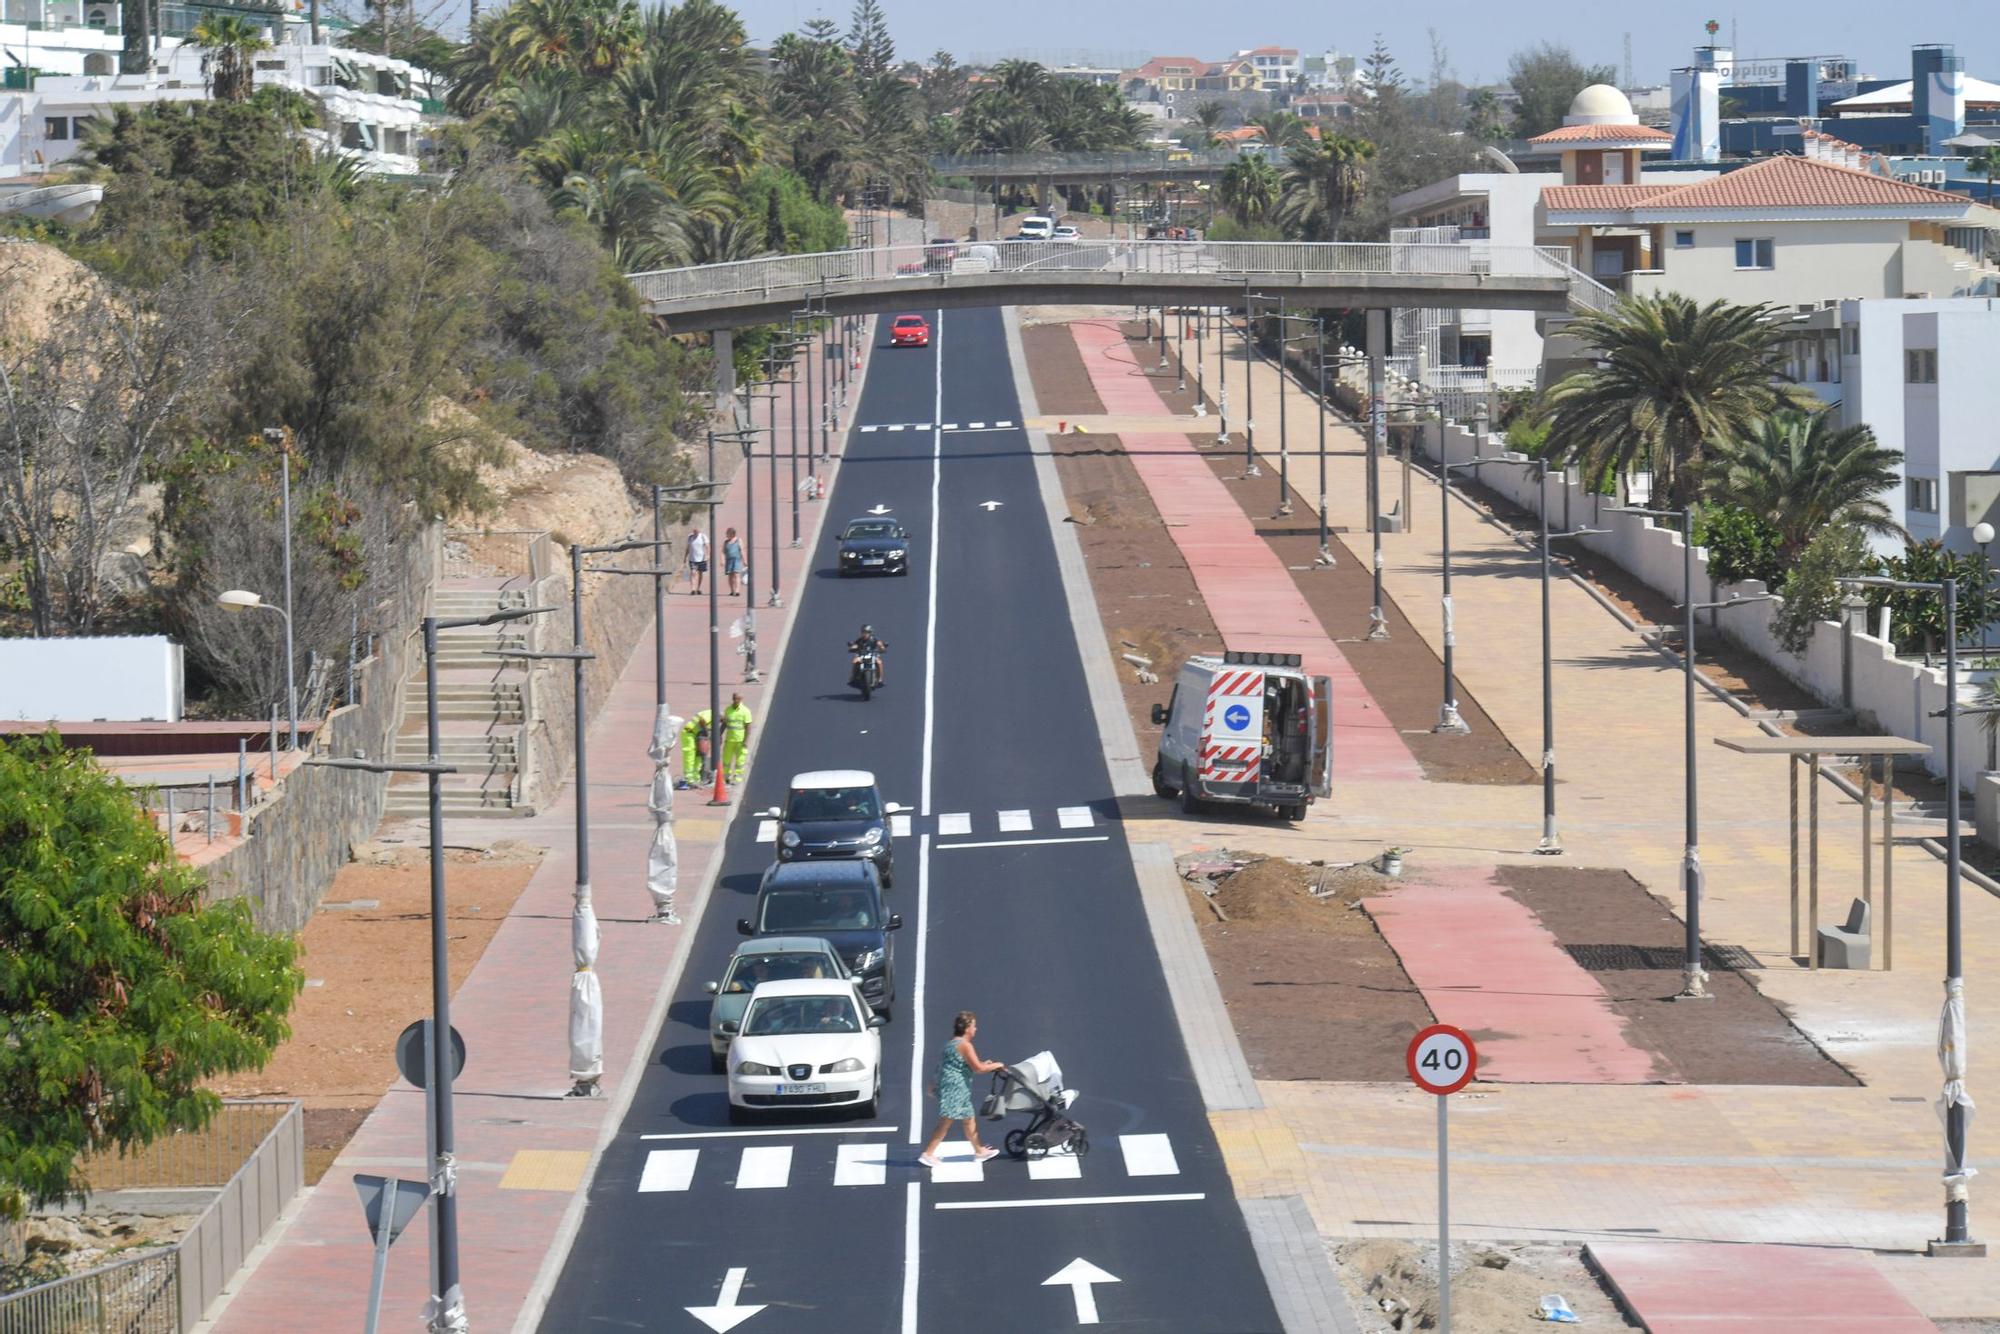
(840, 902)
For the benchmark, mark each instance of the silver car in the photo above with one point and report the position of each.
(766, 959)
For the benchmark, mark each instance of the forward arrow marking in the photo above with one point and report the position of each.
(990, 505)
(880, 510)
(727, 1313)
(1078, 1275)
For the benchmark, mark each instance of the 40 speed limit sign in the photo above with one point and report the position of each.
(1442, 1059)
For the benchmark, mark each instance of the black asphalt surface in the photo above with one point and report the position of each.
(1046, 941)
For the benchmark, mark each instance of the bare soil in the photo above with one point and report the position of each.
(368, 975)
(50, 1247)
(1313, 989)
(1628, 940)
(1496, 1287)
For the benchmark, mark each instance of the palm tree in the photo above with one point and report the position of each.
(229, 44)
(1671, 379)
(1803, 471)
(1987, 163)
(1249, 188)
(1207, 120)
(1282, 130)
(1322, 181)
(642, 226)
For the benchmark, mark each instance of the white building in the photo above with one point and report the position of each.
(1278, 67)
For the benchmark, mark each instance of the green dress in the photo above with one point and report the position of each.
(954, 1084)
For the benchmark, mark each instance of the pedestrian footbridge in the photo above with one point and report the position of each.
(1463, 275)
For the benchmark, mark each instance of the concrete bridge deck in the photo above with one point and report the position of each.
(1470, 275)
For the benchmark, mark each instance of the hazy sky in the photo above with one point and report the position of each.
(1478, 36)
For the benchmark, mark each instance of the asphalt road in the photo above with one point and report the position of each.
(1018, 902)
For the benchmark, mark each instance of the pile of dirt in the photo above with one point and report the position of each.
(577, 497)
(1495, 1288)
(35, 279)
(1273, 892)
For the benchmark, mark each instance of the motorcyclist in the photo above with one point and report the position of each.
(866, 642)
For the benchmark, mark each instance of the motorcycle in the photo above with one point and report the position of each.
(866, 673)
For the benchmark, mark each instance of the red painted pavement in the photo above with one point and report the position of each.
(1486, 964)
(1248, 591)
(513, 1012)
(1681, 1287)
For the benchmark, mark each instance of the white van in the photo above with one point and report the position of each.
(1036, 228)
(1246, 728)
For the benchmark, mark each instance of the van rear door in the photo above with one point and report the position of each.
(1322, 736)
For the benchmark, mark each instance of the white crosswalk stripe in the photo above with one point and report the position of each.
(1059, 1166)
(975, 426)
(957, 823)
(767, 831)
(1016, 822)
(1148, 1156)
(899, 826)
(765, 1167)
(897, 427)
(1074, 817)
(861, 1165)
(956, 1164)
(668, 1169)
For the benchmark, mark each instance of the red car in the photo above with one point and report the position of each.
(910, 331)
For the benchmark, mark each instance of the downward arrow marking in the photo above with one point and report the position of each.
(727, 1314)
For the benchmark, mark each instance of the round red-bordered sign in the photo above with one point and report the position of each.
(1441, 1059)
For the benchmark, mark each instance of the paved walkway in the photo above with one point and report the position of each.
(523, 1149)
(1678, 1288)
(1846, 1167)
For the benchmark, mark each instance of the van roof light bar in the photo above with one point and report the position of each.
(1234, 659)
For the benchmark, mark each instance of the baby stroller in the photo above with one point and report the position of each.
(1035, 1086)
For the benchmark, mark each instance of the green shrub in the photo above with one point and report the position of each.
(1740, 545)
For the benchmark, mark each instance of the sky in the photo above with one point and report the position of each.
(1478, 35)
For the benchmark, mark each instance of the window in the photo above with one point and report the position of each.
(55, 128)
(1920, 365)
(1683, 240)
(1922, 494)
(1753, 252)
(1614, 168)
(1850, 336)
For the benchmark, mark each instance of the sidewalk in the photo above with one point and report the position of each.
(1854, 1167)
(524, 1150)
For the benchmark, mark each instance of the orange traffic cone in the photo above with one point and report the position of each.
(721, 795)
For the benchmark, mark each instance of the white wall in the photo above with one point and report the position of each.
(135, 678)
(1813, 262)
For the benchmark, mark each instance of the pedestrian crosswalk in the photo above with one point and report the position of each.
(954, 824)
(947, 426)
(775, 1166)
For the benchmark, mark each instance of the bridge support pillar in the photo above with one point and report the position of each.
(724, 343)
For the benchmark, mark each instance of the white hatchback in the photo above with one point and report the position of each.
(805, 1043)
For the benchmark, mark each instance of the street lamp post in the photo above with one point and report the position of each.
(1952, 1038)
(1378, 430)
(242, 599)
(1250, 468)
(1550, 845)
(277, 436)
(1449, 722)
(1222, 378)
(1200, 319)
(446, 1309)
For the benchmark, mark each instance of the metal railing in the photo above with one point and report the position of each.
(792, 276)
(977, 165)
(188, 1158)
(1585, 292)
(138, 1295)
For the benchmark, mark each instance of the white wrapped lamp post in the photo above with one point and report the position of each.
(663, 860)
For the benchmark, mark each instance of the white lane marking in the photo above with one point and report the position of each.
(866, 429)
(668, 1169)
(975, 426)
(1148, 1156)
(1065, 1200)
(956, 1165)
(911, 1205)
(791, 1130)
(728, 1313)
(767, 831)
(899, 826)
(1016, 822)
(956, 823)
(764, 1167)
(1027, 842)
(1002, 426)
(861, 1165)
(1080, 1276)
(1074, 817)
(898, 427)
(1059, 1165)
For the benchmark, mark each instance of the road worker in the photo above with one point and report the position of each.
(694, 735)
(736, 722)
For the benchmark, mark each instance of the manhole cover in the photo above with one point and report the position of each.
(1660, 958)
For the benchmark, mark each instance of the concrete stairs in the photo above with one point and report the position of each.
(482, 713)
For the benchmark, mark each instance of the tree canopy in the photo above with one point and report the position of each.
(1546, 78)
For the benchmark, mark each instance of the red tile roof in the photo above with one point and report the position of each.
(1799, 182)
(1598, 198)
(1597, 134)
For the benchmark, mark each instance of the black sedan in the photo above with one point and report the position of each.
(874, 546)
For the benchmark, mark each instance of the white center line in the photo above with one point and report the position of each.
(861, 1165)
(1068, 1200)
(1027, 842)
(1074, 817)
(1016, 822)
(764, 1167)
(668, 1169)
(957, 823)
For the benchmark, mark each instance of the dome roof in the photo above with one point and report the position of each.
(1600, 104)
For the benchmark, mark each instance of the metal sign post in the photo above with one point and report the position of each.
(388, 1206)
(1442, 1060)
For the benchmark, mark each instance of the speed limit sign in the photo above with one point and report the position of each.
(1442, 1059)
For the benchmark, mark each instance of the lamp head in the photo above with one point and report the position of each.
(1982, 533)
(238, 599)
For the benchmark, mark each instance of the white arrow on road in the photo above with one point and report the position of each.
(1078, 1275)
(880, 510)
(990, 505)
(727, 1314)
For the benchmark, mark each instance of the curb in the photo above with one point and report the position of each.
(535, 1305)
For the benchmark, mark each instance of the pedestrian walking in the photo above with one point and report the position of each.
(953, 1088)
(736, 722)
(697, 558)
(694, 743)
(732, 559)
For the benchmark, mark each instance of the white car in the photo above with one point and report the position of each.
(1066, 233)
(806, 1042)
(1035, 227)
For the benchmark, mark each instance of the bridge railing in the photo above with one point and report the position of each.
(977, 165)
(802, 276)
